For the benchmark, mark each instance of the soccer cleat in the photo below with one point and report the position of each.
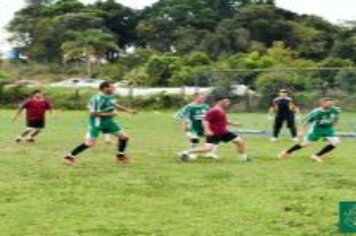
(317, 159)
(183, 156)
(123, 159)
(283, 155)
(18, 140)
(30, 140)
(245, 159)
(273, 139)
(69, 160)
(295, 139)
(193, 157)
(212, 156)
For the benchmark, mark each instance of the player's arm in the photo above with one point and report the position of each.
(272, 111)
(95, 112)
(125, 109)
(232, 123)
(50, 108)
(182, 115)
(305, 122)
(336, 121)
(337, 118)
(104, 114)
(210, 116)
(19, 111)
(207, 129)
(296, 110)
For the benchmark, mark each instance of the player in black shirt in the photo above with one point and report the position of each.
(284, 110)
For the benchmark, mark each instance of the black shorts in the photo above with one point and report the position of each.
(37, 124)
(226, 138)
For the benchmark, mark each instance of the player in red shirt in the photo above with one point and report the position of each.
(215, 128)
(36, 107)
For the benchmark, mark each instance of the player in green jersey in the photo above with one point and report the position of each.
(103, 109)
(321, 123)
(192, 116)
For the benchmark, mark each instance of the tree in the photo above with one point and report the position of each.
(162, 68)
(346, 79)
(91, 45)
(120, 20)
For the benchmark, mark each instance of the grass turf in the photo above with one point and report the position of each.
(158, 195)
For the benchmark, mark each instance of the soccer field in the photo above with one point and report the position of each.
(157, 194)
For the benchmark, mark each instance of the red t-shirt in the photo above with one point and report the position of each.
(36, 109)
(217, 121)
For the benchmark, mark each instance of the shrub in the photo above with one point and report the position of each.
(76, 99)
(268, 84)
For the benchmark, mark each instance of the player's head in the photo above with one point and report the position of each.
(37, 94)
(223, 102)
(107, 87)
(327, 103)
(200, 98)
(283, 93)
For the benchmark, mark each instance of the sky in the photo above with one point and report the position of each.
(333, 10)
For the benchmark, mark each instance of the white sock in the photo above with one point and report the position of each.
(244, 157)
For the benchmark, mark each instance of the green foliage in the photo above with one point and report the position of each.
(179, 42)
(91, 44)
(269, 84)
(222, 89)
(346, 79)
(4, 75)
(161, 69)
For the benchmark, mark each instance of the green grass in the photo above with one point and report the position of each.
(157, 195)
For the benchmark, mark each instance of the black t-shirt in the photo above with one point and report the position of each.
(283, 106)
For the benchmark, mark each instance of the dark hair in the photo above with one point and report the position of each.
(105, 84)
(219, 98)
(35, 92)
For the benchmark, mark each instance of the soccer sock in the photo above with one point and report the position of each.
(79, 149)
(194, 143)
(122, 145)
(35, 133)
(26, 132)
(325, 150)
(294, 148)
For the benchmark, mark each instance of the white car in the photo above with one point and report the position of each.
(25, 83)
(78, 83)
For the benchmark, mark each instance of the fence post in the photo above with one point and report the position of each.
(247, 100)
(131, 95)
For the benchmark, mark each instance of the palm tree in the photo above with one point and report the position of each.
(89, 44)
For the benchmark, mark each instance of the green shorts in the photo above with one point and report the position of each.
(195, 134)
(106, 128)
(316, 134)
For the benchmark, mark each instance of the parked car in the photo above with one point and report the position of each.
(78, 83)
(25, 83)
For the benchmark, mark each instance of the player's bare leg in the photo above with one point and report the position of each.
(107, 139)
(23, 135)
(191, 153)
(332, 144)
(241, 148)
(33, 135)
(297, 147)
(71, 158)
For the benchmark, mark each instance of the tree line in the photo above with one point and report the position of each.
(177, 42)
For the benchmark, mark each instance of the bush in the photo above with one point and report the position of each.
(75, 99)
(268, 84)
(346, 79)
